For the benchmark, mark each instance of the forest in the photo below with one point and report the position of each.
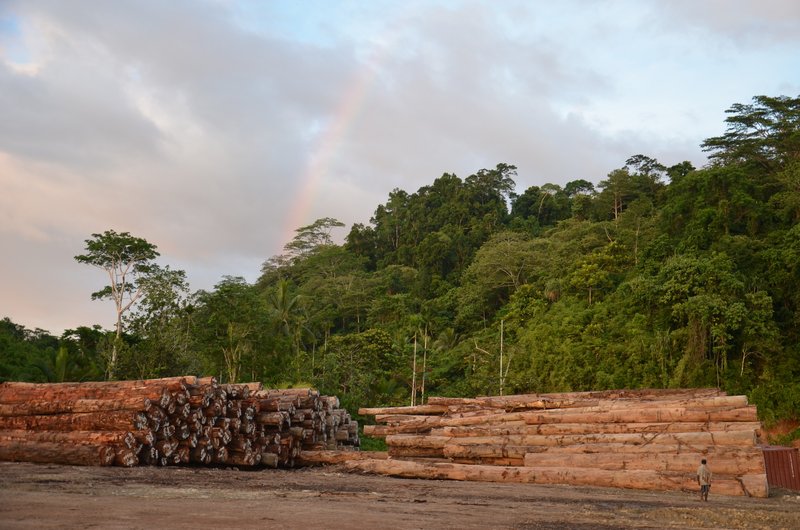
(655, 276)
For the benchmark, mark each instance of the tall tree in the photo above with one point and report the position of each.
(765, 134)
(126, 260)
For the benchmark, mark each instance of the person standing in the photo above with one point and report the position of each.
(704, 479)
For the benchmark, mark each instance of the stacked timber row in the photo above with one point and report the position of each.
(645, 439)
(170, 421)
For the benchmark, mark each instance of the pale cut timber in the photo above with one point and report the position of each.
(734, 438)
(418, 409)
(413, 440)
(589, 428)
(645, 415)
(417, 423)
(516, 401)
(512, 461)
(638, 395)
(60, 453)
(742, 462)
(710, 402)
(646, 393)
(731, 438)
(337, 457)
(381, 431)
(486, 451)
(647, 480)
(704, 449)
(407, 452)
(647, 457)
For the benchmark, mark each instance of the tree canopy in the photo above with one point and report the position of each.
(657, 274)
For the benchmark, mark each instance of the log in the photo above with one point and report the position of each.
(126, 457)
(732, 438)
(419, 409)
(412, 440)
(41, 406)
(641, 394)
(54, 452)
(632, 448)
(279, 418)
(158, 395)
(620, 452)
(269, 459)
(514, 402)
(14, 392)
(310, 458)
(414, 452)
(647, 480)
(122, 438)
(246, 458)
(419, 423)
(644, 415)
(587, 428)
(740, 462)
(512, 461)
(85, 421)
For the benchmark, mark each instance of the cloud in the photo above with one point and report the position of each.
(744, 22)
(213, 129)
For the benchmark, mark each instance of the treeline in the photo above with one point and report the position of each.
(657, 276)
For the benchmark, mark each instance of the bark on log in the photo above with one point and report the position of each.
(126, 457)
(754, 485)
(741, 462)
(648, 448)
(124, 438)
(13, 392)
(408, 452)
(645, 415)
(269, 459)
(590, 415)
(44, 406)
(732, 438)
(589, 428)
(310, 458)
(54, 452)
(158, 395)
(419, 409)
(92, 421)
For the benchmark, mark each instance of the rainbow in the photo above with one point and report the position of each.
(328, 144)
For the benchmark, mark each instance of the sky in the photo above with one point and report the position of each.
(214, 129)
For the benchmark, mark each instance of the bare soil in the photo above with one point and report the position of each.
(53, 496)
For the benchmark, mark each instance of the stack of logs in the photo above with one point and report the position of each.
(645, 439)
(170, 421)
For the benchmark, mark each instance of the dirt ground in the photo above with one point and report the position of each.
(51, 496)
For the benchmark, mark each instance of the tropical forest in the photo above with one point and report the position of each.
(656, 275)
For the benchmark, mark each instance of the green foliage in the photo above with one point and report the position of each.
(657, 276)
(128, 262)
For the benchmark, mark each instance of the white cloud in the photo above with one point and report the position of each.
(213, 129)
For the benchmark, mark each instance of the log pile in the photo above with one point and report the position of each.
(169, 421)
(645, 439)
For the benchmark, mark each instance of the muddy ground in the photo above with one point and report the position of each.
(50, 496)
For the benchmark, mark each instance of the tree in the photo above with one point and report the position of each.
(764, 134)
(160, 324)
(229, 328)
(311, 237)
(126, 259)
